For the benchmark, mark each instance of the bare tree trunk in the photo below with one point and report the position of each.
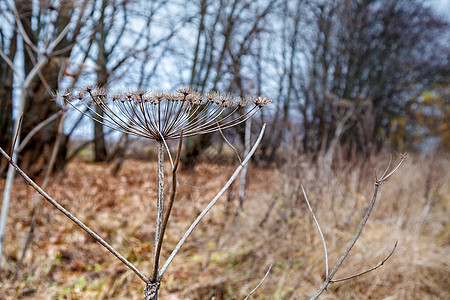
(35, 71)
(8, 184)
(243, 180)
(99, 140)
(6, 88)
(11, 172)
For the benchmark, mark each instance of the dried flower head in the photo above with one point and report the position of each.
(164, 115)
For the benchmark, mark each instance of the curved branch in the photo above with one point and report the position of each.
(320, 231)
(37, 128)
(72, 218)
(371, 269)
(260, 283)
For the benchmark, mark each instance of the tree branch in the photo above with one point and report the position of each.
(37, 128)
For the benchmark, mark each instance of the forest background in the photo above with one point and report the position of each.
(351, 80)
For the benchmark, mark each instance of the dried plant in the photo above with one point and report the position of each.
(165, 115)
(329, 274)
(173, 115)
(159, 116)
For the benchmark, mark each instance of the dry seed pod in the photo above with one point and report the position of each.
(164, 115)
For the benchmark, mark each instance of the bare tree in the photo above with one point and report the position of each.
(286, 61)
(29, 42)
(118, 42)
(38, 67)
(364, 51)
(226, 34)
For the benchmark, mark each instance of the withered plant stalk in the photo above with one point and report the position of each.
(155, 274)
(159, 208)
(164, 116)
(329, 276)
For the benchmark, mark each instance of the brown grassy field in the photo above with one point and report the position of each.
(227, 255)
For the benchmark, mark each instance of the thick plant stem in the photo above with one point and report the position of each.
(168, 210)
(160, 205)
(151, 291)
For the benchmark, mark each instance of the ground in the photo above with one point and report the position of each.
(229, 253)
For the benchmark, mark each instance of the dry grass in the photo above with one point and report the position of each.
(227, 256)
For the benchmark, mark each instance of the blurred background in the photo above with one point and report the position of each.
(350, 77)
(351, 81)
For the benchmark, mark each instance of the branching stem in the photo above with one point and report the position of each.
(378, 182)
(369, 270)
(211, 204)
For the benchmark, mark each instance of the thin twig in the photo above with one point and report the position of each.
(385, 177)
(387, 168)
(211, 204)
(71, 217)
(16, 136)
(23, 33)
(260, 283)
(41, 77)
(58, 39)
(37, 128)
(320, 231)
(27, 40)
(371, 269)
(8, 61)
(358, 232)
(229, 144)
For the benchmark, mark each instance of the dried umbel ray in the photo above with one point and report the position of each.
(165, 115)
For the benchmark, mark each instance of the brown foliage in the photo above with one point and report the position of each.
(227, 257)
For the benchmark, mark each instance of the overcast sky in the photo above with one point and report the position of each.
(442, 7)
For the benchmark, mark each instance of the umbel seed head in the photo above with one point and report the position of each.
(164, 115)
